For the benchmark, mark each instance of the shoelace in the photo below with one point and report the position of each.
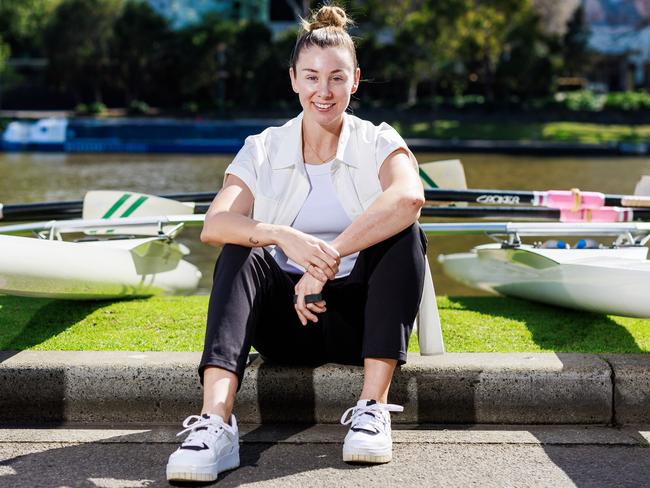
(359, 419)
(201, 429)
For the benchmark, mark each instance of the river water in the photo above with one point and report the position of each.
(33, 177)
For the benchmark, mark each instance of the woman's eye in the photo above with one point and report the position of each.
(311, 78)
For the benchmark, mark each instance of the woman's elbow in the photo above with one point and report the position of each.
(413, 201)
(209, 236)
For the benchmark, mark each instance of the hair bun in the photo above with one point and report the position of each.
(328, 16)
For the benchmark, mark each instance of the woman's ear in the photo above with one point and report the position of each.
(357, 78)
(292, 76)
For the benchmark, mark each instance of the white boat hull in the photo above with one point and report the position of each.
(94, 270)
(610, 281)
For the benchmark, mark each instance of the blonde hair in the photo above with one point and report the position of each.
(326, 28)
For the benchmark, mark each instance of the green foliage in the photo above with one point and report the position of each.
(627, 101)
(5, 51)
(138, 45)
(582, 100)
(138, 107)
(94, 108)
(579, 132)
(22, 23)
(469, 52)
(574, 48)
(77, 44)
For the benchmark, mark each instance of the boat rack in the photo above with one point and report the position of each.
(54, 228)
(632, 233)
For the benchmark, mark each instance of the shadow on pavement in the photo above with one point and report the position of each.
(131, 461)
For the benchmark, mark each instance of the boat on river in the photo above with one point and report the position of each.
(130, 135)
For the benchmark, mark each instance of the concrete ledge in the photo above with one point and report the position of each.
(631, 387)
(163, 387)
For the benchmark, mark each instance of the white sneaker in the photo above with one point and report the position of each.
(211, 447)
(369, 438)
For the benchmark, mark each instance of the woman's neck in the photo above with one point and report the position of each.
(320, 142)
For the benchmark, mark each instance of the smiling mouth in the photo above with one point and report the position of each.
(323, 106)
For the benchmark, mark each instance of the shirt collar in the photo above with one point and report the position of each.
(290, 152)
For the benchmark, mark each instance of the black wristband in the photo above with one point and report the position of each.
(315, 297)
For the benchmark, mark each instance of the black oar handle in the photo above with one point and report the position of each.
(487, 212)
(72, 209)
(639, 214)
(497, 197)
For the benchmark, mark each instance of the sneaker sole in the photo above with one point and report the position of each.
(203, 473)
(367, 458)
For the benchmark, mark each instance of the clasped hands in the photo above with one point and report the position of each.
(321, 262)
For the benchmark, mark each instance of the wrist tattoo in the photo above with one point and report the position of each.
(253, 241)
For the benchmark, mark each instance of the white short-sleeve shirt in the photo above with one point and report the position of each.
(272, 166)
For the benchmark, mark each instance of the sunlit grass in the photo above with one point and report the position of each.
(470, 324)
(519, 131)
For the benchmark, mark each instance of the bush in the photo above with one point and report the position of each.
(138, 107)
(95, 108)
(627, 101)
(582, 100)
(461, 101)
(191, 107)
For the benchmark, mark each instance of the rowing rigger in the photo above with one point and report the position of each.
(496, 228)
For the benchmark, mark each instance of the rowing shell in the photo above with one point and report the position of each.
(103, 269)
(609, 280)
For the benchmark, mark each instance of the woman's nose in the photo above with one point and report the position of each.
(324, 88)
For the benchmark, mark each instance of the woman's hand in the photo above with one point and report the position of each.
(308, 285)
(318, 258)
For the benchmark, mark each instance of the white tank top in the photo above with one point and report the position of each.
(321, 216)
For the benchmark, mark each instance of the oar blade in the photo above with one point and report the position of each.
(444, 174)
(108, 204)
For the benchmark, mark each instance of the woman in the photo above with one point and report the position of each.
(330, 266)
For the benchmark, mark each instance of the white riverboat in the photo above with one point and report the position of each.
(101, 269)
(612, 280)
(43, 135)
(99, 257)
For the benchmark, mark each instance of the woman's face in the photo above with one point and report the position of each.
(324, 80)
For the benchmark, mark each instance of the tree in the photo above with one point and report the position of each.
(252, 66)
(77, 44)
(504, 46)
(5, 51)
(22, 23)
(138, 48)
(194, 61)
(425, 41)
(576, 55)
(531, 62)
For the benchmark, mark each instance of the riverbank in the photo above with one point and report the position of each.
(470, 324)
(500, 134)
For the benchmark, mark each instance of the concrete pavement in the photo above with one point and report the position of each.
(495, 388)
(306, 456)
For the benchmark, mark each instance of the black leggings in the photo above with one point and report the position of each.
(370, 312)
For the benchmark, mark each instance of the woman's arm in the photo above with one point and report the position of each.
(227, 221)
(394, 210)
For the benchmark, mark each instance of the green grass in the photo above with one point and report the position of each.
(470, 324)
(518, 131)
